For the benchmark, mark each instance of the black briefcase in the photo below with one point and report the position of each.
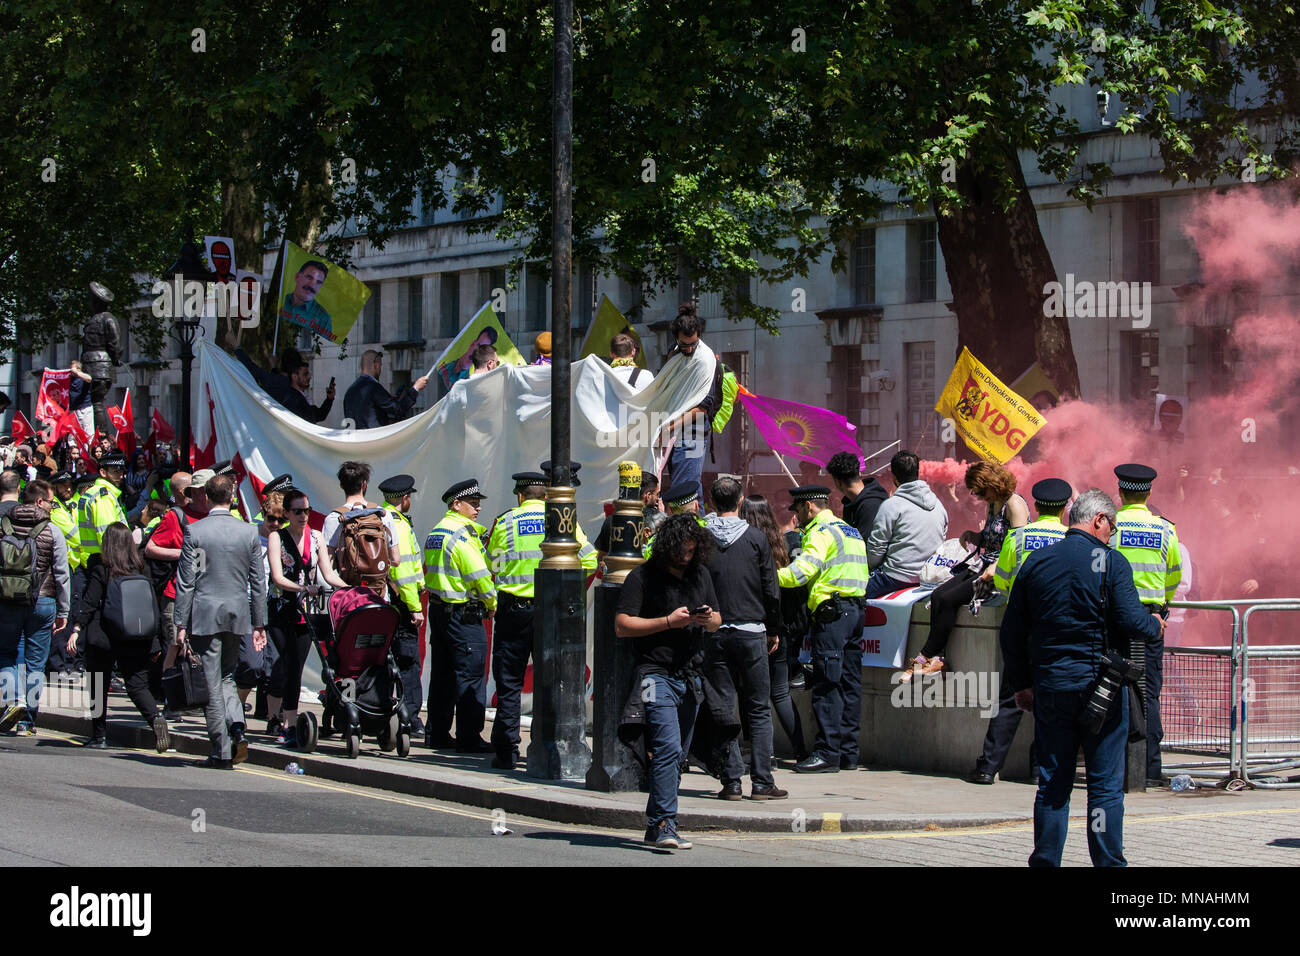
(184, 684)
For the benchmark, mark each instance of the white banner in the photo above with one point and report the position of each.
(884, 640)
(487, 427)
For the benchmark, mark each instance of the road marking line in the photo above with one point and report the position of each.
(832, 823)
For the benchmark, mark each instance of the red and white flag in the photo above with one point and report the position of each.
(52, 398)
(124, 421)
(21, 428)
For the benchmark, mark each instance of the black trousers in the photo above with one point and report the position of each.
(134, 668)
(1155, 674)
(512, 645)
(292, 642)
(735, 666)
(837, 685)
(1001, 734)
(59, 660)
(406, 654)
(457, 674)
(782, 704)
(945, 602)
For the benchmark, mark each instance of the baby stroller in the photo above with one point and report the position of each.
(363, 690)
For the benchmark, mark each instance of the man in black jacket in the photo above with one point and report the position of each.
(862, 496)
(1070, 604)
(289, 385)
(368, 404)
(735, 658)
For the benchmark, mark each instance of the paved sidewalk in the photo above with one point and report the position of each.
(861, 801)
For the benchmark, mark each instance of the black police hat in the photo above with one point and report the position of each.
(1051, 492)
(278, 483)
(224, 467)
(574, 468)
(523, 479)
(59, 477)
(114, 459)
(398, 486)
(86, 480)
(1135, 477)
(682, 494)
(463, 489)
(809, 493)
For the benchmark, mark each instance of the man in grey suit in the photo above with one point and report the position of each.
(220, 596)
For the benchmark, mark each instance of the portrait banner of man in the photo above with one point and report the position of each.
(318, 295)
(220, 252)
(456, 361)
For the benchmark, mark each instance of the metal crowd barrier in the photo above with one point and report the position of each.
(1231, 713)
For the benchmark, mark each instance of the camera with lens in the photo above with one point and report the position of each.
(1116, 671)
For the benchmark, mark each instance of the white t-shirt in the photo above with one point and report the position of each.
(625, 373)
(330, 530)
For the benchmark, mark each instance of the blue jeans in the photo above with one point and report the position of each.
(25, 635)
(670, 709)
(881, 583)
(1059, 732)
(687, 461)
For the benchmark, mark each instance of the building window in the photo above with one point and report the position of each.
(1212, 359)
(449, 306)
(927, 260)
(846, 381)
(732, 450)
(864, 267)
(741, 291)
(373, 312)
(1143, 240)
(922, 432)
(414, 309)
(1140, 353)
(539, 292)
(586, 296)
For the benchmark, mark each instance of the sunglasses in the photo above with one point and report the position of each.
(300, 511)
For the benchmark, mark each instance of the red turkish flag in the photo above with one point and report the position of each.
(21, 428)
(124, 421)
(160, 429)
(52, 398)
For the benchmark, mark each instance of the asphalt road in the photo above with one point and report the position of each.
(67, 806)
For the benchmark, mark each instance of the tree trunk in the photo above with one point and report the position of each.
(242, 220)
(997, 265)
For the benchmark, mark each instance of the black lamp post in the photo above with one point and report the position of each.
(559, 750)
(185, 330)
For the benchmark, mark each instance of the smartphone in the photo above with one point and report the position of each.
(701, 609)
(331, 381)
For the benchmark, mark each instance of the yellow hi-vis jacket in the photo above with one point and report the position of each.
(99, 508)
(408, 573)
(64, 517)
(515, 548)
(833, 562)
(455, 564)
(1022, 542)
(1151, 546)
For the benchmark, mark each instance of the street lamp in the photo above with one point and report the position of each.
(559, 750)
(185, 330)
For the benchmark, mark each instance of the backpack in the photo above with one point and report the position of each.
(130, 610)
(730, 388)
(19, 582)
(362, 555)
(161, 572)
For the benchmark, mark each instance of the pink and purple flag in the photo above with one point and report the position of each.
(805, 432)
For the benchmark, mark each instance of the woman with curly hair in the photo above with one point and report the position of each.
(972, 580)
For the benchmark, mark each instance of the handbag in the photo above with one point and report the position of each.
(943, 564)
(185, 685)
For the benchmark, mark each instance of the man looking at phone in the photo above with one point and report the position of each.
(666, 608)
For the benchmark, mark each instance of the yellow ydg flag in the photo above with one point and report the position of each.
(607, 324)
(457, 361)
(992, 419)
(317, 294)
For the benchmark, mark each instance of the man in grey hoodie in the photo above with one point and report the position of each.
(908, 529)
(735, 657)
